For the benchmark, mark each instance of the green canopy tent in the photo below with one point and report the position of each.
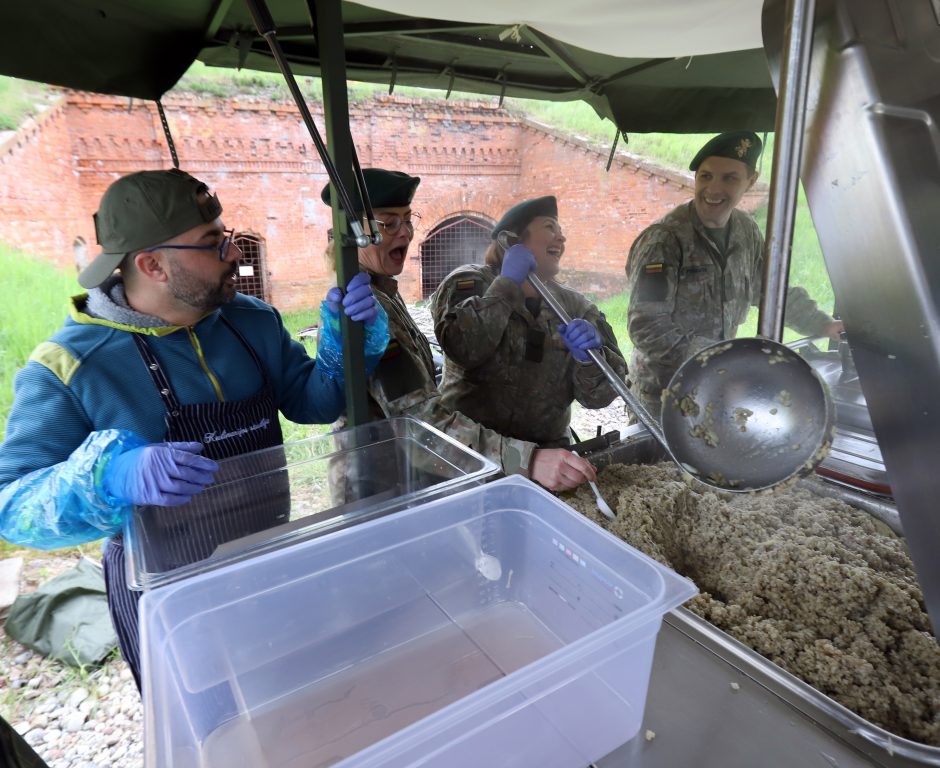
(140, 48)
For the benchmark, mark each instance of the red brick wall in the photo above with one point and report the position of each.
(41, 205)
(472, 158)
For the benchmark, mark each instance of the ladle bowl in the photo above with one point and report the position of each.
(747, 414)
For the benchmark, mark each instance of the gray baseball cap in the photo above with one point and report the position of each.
(142, 210)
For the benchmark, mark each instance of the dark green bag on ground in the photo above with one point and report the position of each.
(66, 618)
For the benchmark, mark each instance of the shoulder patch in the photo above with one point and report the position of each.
(465, 287)
(57, 359)
(653, 284)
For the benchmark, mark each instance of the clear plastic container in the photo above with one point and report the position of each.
(496, 626)
(274, 497)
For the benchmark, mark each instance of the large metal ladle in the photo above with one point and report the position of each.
(740, 415)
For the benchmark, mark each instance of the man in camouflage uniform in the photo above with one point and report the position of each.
(403, 383)
(694, 274)
(510, 364)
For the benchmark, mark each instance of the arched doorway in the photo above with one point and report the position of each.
(460, 239)
(252, 267)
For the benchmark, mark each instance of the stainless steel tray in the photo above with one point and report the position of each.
(715, 702)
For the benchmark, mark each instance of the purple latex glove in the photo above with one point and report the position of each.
(517, 263)
(166, 474)
(334, 298)
(580, 336)
(359, 303)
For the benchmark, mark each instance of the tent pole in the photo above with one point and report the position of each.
(328, 19)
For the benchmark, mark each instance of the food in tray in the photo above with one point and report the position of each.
(820, 588)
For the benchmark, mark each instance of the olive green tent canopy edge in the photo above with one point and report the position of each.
(140, 48)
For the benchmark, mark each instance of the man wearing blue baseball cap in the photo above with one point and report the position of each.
(694, 274)
(161, 369)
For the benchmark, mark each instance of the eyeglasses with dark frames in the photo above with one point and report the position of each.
(395, 223)
(221, 248)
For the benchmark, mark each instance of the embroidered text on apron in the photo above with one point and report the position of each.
(226, 429)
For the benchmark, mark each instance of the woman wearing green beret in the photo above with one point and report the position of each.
(510, 364)
(403, 383)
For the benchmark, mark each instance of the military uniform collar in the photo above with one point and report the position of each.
(387, 285)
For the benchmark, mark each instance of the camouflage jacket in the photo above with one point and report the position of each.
(403, 385)
(682, 299)
(510, 369)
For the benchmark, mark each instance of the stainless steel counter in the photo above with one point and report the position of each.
(714, 703)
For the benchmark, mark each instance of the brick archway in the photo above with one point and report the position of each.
(461, 238)
(252, 267)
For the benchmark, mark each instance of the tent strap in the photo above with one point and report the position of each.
(169, 136)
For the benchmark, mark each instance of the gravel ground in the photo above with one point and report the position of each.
(93, 718)
(72, 718)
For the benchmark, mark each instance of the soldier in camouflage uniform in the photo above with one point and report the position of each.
(510, 365)
(694, 274)
(403, 383)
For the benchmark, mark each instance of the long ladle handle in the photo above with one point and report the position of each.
(619, 385)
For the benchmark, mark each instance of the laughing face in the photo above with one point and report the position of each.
(388, 257)
(720, 183)
(545, 239)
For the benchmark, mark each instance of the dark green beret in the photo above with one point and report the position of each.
(738, 145)
(517, 218)
(387, 189)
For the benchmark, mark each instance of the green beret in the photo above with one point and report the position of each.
(517, 218)
(387, 189)
(738, 145)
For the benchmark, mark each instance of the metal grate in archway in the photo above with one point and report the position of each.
(455, 241)
(252, 272)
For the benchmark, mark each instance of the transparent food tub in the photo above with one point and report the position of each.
(273, 497)
(495, 626)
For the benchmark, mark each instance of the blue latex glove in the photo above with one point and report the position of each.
(580, 336)
(517, 263)
(166, 474)
(359, 303)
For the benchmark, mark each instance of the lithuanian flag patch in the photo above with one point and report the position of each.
(392, 350)
(652, 269)
(465, 284)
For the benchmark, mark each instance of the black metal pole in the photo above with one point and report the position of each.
(328, 18)
(338, 163)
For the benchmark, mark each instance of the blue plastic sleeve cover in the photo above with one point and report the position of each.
(330, 342)
(64, 505)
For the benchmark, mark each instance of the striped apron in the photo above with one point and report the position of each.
(225, 429)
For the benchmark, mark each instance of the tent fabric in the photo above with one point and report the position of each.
(66, 618)
(614, 27)
(689, 75)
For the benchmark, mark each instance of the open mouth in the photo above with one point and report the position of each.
(397, 254)
(555, 253)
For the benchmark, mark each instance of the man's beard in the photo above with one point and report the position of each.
(199, 294)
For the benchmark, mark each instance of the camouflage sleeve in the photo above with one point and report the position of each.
(802, 313)
(652, 275)
(514, 456)
(591, 387)
(469, 320)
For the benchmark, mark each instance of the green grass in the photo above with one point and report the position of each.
(35, 304)
(19, 100)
